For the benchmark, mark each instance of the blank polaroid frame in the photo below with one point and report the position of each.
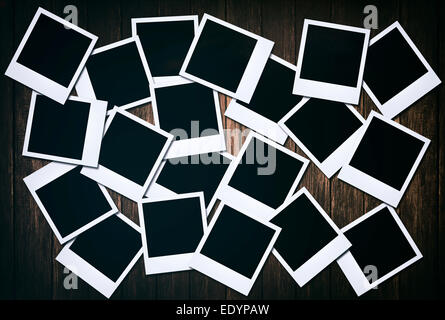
(91, 274)
(43, 143)
(246, 115)
(235, 231)
(346, 92)
(351, 267)
(422, 80)
(335, 160)
(191, 176)
(172, 262)
(27, 57)
(128, 187)
(251, 50)
(242, 201)
(178, 49)
(369, 184)
(192, 145)
(334, 244)
(39, 184)
(86, 89)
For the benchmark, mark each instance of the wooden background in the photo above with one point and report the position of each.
(28, 269)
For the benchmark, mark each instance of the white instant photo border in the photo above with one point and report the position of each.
(324, 257)
(352, 270)
(325, 90)
(119, 183)
(93, 134)
(243, 202)
(89, 273)
(256, 121)
(156, 190)
(84, 86)
(371, 185)
(48, 174)
(415, 90)
(37, 81)
(336, 159)
(254, 68)
(175, 262)
(223, 274)
(187, 147)
(135, 21)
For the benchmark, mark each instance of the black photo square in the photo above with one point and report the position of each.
(226, 58)
(69, 201)
(332, 55)
(387, 153)
(218, 50)
(166, 41)
(381, 247)
(184, 175)
(379, 241)
(54, 51)
(119, 74)
(187, 107)
(130, 149)
(59, 130)
(109, 247)
(304, 232)
(172, 227)
(396, 73)
(331, 61)
(309, 240)
(325, 130)
(131, 153)
(266, 173)
(105, 254)
(273, 96)
(51, 55)
(322, 126)
(384, 159)
(237, 242)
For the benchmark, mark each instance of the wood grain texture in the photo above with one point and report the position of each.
(137, 284)
(28, 248)
(419, 208)
(278, 23)
(33, 259)
(313, 180)
(247, 15)
(388, 13)
(60, 273)
(201, 286)
(441, 147)
(7, 158)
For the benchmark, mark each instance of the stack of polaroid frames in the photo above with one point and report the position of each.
(176, 168)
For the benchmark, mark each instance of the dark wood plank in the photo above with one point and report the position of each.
(32, 234)
(346, 201)
(278, 25)
(418, 208)
(59, 271)
(137, 285)
(247, 15)
(441, 155)
(7, 158)
(388, 12)
(314, 180)
(201, 286)
(105, 22)
(174, 285)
